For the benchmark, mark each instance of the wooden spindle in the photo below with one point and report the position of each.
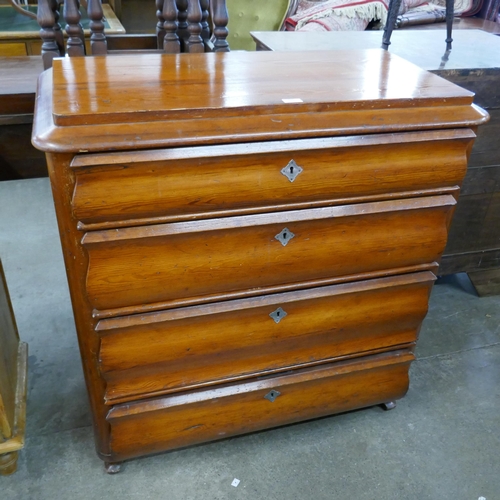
(98, 43)
(205, 28)
(72, 16)
(46, 20)
(171, 43)
(160, 30)
(54, 5)
(194, 16)
(220, 20)
(182, 25)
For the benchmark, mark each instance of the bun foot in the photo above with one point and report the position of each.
(8, 463)
(389, 405)
(112, 467)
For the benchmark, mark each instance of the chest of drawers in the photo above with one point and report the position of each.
(250, 238)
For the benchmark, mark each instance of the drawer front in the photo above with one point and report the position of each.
(13, 49)
(145, 265)
(183, 183)
(200, 416)
(152, 354)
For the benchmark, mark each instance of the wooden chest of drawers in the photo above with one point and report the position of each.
(247, 245)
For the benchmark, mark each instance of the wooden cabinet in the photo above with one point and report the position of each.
(13, 368)
(248, 245)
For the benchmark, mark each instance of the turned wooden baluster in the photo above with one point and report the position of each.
(46, 20)
(54, 5)
(98, 42)
(160, 30)
(194, 17)
(171, 43)
(182, 25)
(220, 20)
(71, 13)
(205, 28)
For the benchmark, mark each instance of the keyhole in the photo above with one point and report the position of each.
(278, 314)
(284, 236)
(291, 170)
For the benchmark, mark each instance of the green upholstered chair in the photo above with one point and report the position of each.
(255, 15)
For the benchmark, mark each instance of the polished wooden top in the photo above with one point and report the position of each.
(184, 99)
(153, 87)
(471, 48)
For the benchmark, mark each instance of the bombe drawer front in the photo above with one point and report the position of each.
(195, 260)
(187, 182)
(199, 416)
(150, 354)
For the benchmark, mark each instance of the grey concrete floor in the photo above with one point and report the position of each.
(441, 442)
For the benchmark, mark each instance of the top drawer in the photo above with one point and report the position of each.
(208, 181)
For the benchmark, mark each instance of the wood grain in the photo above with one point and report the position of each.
(183, 420)
(169, 214)
(195, 182)
(13, 384)
(470, 261)
(485, 151)
(9, 343)
(473, 64)
(146, 355)
(486, 282)
(75, 260)
(176, 85)
(164, 262)
(19, 77)
(230, 114)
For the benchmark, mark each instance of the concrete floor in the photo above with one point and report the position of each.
(441, 442)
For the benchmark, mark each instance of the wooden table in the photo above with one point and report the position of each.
(18, 158)
(474, 63)
(247, 245)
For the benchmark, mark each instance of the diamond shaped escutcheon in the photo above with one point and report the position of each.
(284, 236)
(278, 315)
(291, 171)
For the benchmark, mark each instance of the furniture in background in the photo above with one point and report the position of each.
(66, 28)
(246, 248)
(20, 34)
(263, 15)
(474, 242)
(13, 369)
(466, 23)
(490, 10)
(392, 17)
(18, 158)
(182, 26)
